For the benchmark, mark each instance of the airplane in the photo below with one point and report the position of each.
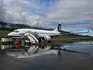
(34, 50)
(36, 35)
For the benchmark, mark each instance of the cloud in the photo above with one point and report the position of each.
(2, 11)
(72, 11)
(47, 13)
(24, 12)
(42, 14)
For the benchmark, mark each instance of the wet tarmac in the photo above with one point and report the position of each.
(70, 56)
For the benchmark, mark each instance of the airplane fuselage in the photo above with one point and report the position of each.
(19, 32)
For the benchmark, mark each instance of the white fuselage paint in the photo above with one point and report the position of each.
(40, 33)
(18, 32)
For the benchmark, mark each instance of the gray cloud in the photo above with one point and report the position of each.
(73, 11)
(31, 13)
(16, 12)
(2, 11)
(42, 14)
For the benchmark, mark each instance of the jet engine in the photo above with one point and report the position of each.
(44, 38)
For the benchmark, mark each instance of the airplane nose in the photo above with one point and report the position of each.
(9, 34)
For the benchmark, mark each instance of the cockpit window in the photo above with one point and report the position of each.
(16, 31)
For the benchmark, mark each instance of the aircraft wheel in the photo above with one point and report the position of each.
(49, 41)
(39, 40)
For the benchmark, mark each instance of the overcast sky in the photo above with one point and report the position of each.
(76, 15)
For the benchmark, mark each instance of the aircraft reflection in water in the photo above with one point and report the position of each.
(30, 51)
(34, 50)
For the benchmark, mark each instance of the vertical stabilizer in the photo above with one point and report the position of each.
(58, 28)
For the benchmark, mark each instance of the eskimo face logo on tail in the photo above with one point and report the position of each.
(59, 27)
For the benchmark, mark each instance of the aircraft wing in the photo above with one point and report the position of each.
(67, 33)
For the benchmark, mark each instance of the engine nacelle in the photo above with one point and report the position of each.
(46, 38)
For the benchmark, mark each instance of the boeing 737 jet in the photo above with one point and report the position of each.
(36, 35)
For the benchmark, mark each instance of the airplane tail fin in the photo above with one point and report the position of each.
(58, 28)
